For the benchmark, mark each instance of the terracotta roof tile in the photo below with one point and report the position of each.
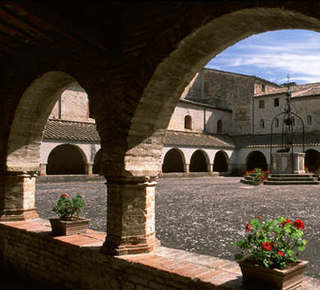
(198, 139)
(71, 131)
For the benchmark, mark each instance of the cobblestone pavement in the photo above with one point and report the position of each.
(205, 215)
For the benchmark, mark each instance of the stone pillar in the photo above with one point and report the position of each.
(210, 168)
(17, 196)
(187, 168)
(43, 169)
(130, 216)
(89, 168)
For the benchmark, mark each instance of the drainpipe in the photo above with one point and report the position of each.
(204, 120)
(59, 108)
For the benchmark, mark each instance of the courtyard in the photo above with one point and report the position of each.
(205, 214)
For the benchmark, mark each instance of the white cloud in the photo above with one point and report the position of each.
(279, 52)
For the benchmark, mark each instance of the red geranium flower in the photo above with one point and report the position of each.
(285, 222)
(275, 244)
(298, 224)
(259, 216)
(64, 195)
(280, 253)
(248, 228)
(266, 246)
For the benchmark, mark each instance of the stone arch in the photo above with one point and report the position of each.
(199, 161)
(188, 122)
(219, 127)
(96, 169)
(221, 161)
(256, 159)
(177, 69)
(66, 159)
(174, 161)
(30, 118)
(312, 160)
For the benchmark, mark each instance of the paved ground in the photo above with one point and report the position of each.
(205, 215)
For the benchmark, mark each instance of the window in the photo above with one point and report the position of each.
(219, 127)
(309, 120)
(276, 102)
(262, 123)
(188, 122)
(276, 123)
(263, 87)
(261, 104)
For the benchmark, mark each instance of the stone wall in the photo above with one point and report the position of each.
(226, 90)
(73, 105)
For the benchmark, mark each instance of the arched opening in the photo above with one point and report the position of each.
(312, 160)
(97, 162)
(199, 162)
(173, 161)
(66, 159)
(188, 122)
(220, 163)
(219, 127)
(256, 159)
(31, 116)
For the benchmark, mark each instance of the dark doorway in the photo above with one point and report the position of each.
(220, 163)
(66, 159)
(312, 160)
(173, 161)
(256, 159)
(97, 162)
(198, 162)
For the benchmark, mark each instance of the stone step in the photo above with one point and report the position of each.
(292, 175)
(306, 178)
(288, 182)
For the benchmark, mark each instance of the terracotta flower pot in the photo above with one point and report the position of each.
(68, 227)
(256, 276)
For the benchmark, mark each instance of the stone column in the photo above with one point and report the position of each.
(210, 168)
(130, 216)
(43, 169)
(187, 168)
(17, 196)
(89, 168)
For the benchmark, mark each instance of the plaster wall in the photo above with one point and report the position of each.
(89, 150)
(303, 106)
(188, 151)
(203, 118)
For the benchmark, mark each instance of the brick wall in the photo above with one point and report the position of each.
(45, 258)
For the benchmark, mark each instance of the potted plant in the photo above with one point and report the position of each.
(68, 209)
(269, 252)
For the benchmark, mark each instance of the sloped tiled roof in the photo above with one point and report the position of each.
(305, 90)
(198, 140)
(71, 131)
(258, 141)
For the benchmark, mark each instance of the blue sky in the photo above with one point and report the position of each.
(272, 55)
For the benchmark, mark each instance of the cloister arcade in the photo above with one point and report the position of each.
(134, 77)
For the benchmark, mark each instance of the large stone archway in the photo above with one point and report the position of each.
(220, 162)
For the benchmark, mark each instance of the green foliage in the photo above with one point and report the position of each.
(272, 243)
(68, 208)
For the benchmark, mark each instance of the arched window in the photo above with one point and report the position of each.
(188, 122)
(276, 123)
(262, 123)
(219, 127)
(309, 120)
